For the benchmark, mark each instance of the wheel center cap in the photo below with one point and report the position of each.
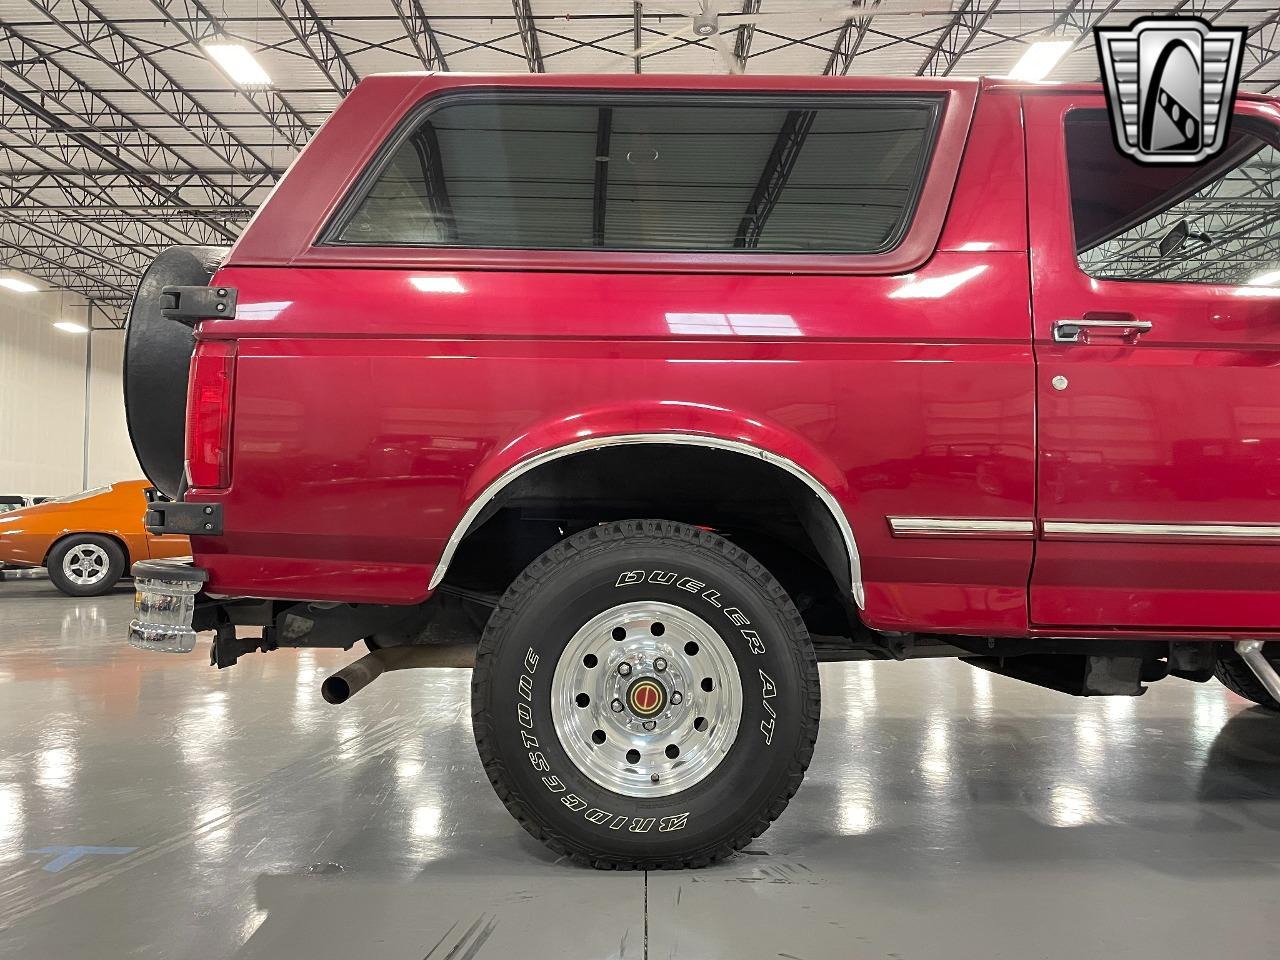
(647, 697)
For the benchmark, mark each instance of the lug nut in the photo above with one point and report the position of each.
(624, 669)
(659, 664)
(650, 724)
(677, 697)
(654, 778)
(616, 705)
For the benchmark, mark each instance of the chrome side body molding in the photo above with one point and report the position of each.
(1084, 530)
(961, 527)
(1210, 532)
(715, 443)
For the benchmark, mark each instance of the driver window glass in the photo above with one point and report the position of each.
(1217, 222)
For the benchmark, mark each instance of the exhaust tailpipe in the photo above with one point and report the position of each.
(354, 677)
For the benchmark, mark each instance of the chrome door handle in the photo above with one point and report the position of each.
(1078, 331)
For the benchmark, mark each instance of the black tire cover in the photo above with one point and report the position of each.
(157, 355)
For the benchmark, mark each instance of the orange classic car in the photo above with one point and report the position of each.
(86, 541)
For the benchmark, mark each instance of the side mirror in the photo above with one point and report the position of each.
(1172, 241)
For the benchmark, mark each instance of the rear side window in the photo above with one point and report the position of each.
(741, 174)
(1217, 222)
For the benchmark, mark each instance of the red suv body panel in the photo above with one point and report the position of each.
(381, 391)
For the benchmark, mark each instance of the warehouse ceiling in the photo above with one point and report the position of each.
(120, 134)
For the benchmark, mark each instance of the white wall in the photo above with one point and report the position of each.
(110, 452)
(42, 399)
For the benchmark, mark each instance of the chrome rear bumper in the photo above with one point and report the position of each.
(164, 605)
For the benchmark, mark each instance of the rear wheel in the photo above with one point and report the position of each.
(1236, 675)
(645, 695)
(86, 565)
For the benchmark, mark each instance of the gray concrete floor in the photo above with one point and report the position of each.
(948, 813)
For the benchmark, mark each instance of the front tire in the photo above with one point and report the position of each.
(1238, 677)
(85, 565)
(645, 696)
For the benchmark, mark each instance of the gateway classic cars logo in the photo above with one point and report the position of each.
(1170, 83)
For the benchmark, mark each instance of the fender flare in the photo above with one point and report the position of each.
(496, 486)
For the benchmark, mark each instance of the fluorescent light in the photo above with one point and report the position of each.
(1268, 279)
(238, 63)
(17, 286)
(1040, 58)
(70, 326)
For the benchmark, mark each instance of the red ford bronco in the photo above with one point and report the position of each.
(645, 395)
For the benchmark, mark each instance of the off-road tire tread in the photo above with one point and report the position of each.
(1238, 677)
(650, 533)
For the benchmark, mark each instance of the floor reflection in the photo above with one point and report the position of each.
(269, 824)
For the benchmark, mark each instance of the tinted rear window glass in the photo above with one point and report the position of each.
(838, 176)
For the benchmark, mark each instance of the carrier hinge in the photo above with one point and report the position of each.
(190, 305)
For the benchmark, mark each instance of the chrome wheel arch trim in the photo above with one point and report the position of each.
(677, 439)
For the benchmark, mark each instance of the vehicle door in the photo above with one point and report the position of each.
(1156, 304)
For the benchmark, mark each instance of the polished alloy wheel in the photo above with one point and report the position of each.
(86, 564)
(645, 696)
(646, 699)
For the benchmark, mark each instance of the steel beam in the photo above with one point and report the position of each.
(744, 35)
(420, 33)
(64, 187)
(60, 268)
(32, 123)
(197, 25)
(600, 190)
(117, 259)
(528, 36)
(849, 41)
(314, 36)
(773, 179)
(23, 195)
(104, 128)
(95, 34)
(1261, 48)
(637, 31)
(428, 150)
(956, 38)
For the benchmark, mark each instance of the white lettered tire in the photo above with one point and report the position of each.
(645, 695)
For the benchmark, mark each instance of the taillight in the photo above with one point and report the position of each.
(213, 369)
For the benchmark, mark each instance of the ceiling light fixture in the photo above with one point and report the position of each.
(238, 63)
(1040, 58)
(17, 286)
(70, 326)
(1268, 279)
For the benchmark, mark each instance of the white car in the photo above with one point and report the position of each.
(16, 501)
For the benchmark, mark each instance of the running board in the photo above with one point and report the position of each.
(1251, 652)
